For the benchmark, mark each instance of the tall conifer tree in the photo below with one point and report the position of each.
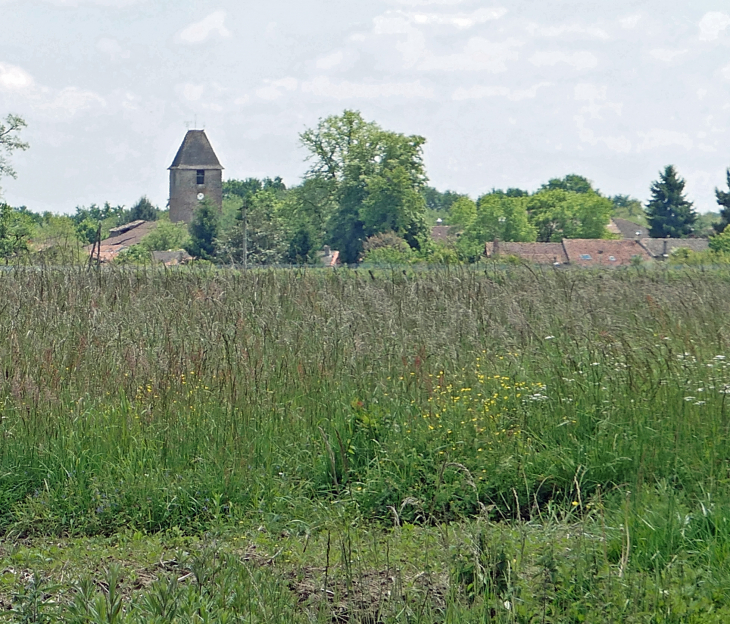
(723, 199)
(669, 213)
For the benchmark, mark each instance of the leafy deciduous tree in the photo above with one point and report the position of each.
(375, 179)
(167, 236)
(558, 214)
(572, 183)
(721, 242)
(503, 217)
(15, 231)
(10, 142)
(627, 207)
(463, 212)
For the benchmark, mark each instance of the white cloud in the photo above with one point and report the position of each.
(596, 98)
(67, 101)
(665, 55)
(274, 89)
(482, 92)
(712, 24)
(76, 3)
(578, 60)
(459, 20)
(413, 47)
(725, 71)
(630, 22)
(331, 61)
(620, 144)
(567, 29)
(478, 55)
(192, 92)
(72, 100)
(322, 86)
(13, 78)
(200, 31)
(663, 138)
(430, 2)
(112, 49)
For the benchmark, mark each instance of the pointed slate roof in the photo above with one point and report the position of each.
(196, 152)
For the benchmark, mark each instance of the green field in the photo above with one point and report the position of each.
(481, 444)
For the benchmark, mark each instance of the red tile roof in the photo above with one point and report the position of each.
(538, 253)
(599, 252)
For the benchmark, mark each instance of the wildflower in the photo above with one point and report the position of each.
(689, 398)
(719, 357)
(549, 337)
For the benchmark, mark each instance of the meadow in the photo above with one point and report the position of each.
(472, 444)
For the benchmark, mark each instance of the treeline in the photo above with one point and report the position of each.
(366, 195)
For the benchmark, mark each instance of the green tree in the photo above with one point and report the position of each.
(375, 179)
(721, 242)
(56, 240)
(143, 210)
(87, 231)
(723, 200)
(302, 247)
(627, 207)
(572, 183)
(203, 230)
(463, 212)
(387, 248)
(10, 129)
(241, 189)
(558, 214)
(167, 236)
(266, 241)
(668, 212)
(15, 232)
(501, 217)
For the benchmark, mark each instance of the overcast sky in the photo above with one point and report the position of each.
(507, 94)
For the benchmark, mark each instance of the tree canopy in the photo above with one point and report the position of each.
(10, 142)
(375, 179)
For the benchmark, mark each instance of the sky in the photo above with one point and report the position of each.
(507, 94)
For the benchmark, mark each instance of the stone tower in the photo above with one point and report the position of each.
(195, 175)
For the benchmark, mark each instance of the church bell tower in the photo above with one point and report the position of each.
(195, 175)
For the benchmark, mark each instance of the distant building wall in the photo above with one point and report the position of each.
(184, 191)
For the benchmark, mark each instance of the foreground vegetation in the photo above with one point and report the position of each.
(482, 444)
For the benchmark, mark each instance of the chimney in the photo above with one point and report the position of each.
(665, 254)
(495, 247)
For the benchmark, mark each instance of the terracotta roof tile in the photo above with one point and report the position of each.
(538, 253)
(600, 252)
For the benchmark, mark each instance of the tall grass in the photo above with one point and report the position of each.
(160, 399)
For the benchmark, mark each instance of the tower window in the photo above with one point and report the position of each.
(201, 176)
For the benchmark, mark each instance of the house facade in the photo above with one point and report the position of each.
(195, 175)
